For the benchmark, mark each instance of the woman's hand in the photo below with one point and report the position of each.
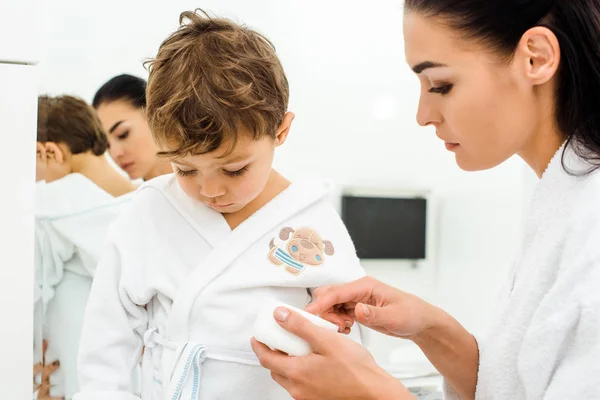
(450, 347)
(339, 368)
(376, 305)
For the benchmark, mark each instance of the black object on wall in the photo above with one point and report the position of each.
(387, 227)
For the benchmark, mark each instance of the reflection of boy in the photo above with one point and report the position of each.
(41, 370)
(40, 159)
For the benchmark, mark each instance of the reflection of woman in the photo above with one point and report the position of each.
(498, 78)
(120, 104)
(83, 195)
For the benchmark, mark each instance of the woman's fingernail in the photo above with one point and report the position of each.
(348, 324)
(281, 314)
(366, 310)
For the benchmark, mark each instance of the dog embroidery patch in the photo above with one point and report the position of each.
(304, 248)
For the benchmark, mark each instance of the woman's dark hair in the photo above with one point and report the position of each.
(122, 87)
(576, 24)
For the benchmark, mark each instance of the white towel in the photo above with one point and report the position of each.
(545, 340)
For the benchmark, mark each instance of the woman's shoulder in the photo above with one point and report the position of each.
(580, 260)
(586, 204)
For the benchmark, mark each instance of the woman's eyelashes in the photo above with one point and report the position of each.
(441, 89)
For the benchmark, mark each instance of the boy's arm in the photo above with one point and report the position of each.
(111, 339)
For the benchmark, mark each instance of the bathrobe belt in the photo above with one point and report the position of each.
(184, 379)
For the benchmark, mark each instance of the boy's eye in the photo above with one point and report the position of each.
(183, 173)
(239, 172)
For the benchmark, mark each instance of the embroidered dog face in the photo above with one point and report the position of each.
(305, 247)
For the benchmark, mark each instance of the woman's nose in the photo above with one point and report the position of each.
(116, 151)
(427, 113)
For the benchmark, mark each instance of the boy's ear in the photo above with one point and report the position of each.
(284, 128)
(54, 153)
(40, 151)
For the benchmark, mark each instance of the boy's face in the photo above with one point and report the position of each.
(227, 183)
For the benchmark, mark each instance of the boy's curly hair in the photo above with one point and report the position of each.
(211, 81)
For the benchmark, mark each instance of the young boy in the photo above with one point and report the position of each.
(199, 252)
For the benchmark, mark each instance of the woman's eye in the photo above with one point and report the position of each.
(444, 89)
(123, 135)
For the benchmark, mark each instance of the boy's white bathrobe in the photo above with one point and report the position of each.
(545, 341)
(72, 219)
(177, 280)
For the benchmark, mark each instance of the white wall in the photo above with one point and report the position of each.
(355, 101)
(18, 81)
(17, 130)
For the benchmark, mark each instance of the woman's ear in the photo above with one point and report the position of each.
(539, 51)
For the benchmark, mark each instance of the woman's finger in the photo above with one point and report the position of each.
(275, 361)
(355, 291)
(318, 338)
(340, 320)
(282, 380)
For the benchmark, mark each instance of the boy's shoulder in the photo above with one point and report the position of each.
(322, 212)
(308, 196)
(161, 183)
(150, 199)
(154, 190)
(151, 213)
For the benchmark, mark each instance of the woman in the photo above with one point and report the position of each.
(74, 209)
(120, 104)
(498, 78)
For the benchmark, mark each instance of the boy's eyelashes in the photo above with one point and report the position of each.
(238, 172)
(184, 173)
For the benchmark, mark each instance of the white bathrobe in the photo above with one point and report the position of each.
(72, 220)
(545, 340)
(177, 280)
